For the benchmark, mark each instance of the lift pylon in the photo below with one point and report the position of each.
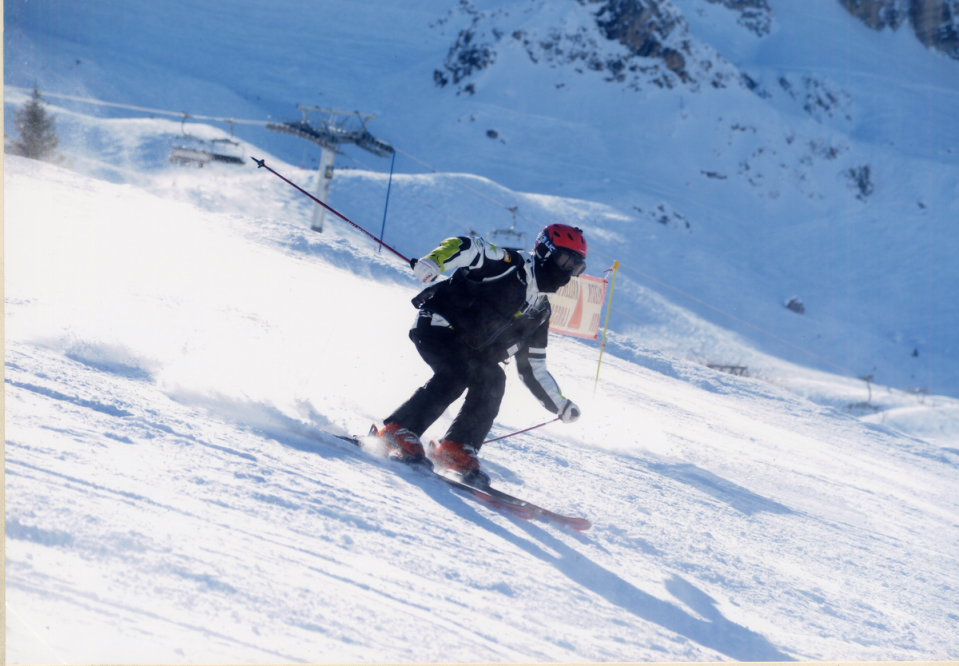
(329, 135)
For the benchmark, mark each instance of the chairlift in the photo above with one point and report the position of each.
(189, 150)
(228, 151)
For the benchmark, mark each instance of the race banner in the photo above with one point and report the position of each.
(577, 307)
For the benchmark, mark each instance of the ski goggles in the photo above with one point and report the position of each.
(570, 262)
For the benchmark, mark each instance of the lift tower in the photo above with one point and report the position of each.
(330, 135)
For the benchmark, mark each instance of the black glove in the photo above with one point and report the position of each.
(569, 412)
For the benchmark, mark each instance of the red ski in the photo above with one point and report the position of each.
(497, 499)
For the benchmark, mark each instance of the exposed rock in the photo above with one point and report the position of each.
(858, 179)
(820, 97)
(665, 215)
(935, 22)
(644, 27)
(795, 304)
(754, 15)
(590, 36)
(465, 57)
(878, 14)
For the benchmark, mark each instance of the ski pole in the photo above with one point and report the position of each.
(261, 164)
(519, 432)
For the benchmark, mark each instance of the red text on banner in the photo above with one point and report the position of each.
(577, 307)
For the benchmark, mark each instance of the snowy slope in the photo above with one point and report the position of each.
(175, 353)
(172, 494)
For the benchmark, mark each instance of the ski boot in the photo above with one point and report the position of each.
(403, 445)
(461, 461)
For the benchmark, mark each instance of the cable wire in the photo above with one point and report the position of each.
(413, 196)
(177, 114)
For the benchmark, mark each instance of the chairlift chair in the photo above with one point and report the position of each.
(228, 151)
(189, 150)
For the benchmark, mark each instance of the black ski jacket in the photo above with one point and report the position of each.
(491, 301)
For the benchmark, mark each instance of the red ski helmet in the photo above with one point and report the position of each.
(562, 235)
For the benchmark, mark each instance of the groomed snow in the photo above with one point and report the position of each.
(180, 348)
(172, 493)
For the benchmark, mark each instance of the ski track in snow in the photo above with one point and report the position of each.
(163, 504)
(238, 512)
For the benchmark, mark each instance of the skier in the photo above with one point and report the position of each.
(493, 306)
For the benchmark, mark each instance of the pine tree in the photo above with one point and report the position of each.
(38, 133)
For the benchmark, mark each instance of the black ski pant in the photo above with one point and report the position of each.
(456, 368)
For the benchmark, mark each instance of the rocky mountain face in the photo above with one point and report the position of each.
(935, 22)
(645, 28)
(642, 44)
(878, 14)
(659, 48)
(633, 42)
(754, 15)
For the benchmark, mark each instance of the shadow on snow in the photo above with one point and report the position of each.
(714, 632)
(742, 500)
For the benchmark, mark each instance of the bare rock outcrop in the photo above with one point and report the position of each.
(637, 43)
(935, 22)
(754, 15)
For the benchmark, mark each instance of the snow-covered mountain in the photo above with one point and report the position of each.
(175, 355)
(814, 158)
